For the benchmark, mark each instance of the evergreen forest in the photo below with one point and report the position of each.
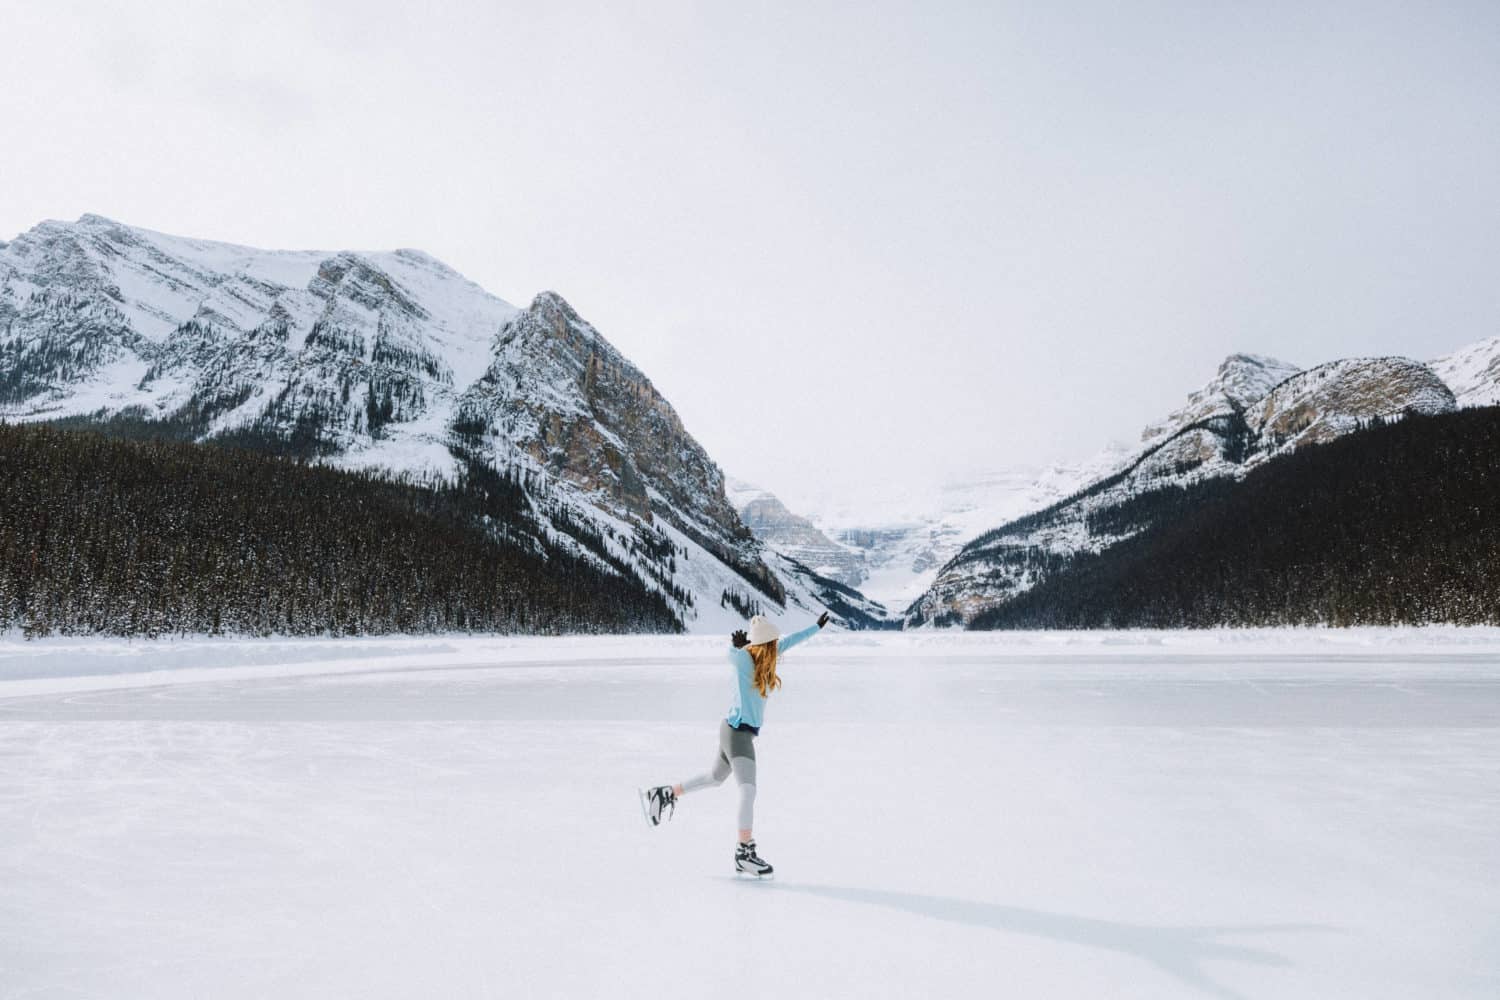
(101, 535)
(1395, 524)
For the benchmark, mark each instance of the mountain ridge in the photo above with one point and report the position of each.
(1253, 410)
(392, 360)
(380, 360)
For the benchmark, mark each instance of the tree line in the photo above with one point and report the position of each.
(1395, 524)
(108, 536)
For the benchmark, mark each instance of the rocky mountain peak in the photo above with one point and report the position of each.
(563, 396)
(1240, 380)
(550, 325)
(388, 360)
(1245, 378)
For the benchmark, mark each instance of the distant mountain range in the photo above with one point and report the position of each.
(389, 361)
(1254, 411)
(892, 545)
(950, 554)
(393, 362)
(1396, 523)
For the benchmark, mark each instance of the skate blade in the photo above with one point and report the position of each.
(645, 808)
(753, 877)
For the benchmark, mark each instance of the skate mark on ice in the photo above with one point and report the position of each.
(1178, 951)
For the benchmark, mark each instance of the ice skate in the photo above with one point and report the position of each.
(747, 862)
(658, 803)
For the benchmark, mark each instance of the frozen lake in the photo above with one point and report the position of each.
(1311, 814)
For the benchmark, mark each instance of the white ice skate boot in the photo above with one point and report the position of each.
(658, 803)
(747, 862)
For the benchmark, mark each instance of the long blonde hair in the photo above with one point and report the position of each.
(764, 658)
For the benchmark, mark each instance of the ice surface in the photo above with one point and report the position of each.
(1225, 814)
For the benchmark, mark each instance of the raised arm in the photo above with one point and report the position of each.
(788, 641)
(738, 658)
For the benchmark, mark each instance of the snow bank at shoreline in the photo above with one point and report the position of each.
(63, 664)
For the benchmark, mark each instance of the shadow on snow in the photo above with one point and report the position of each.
(1177, 951)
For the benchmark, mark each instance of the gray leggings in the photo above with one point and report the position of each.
(736, 754)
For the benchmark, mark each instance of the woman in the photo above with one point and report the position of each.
(754, 659)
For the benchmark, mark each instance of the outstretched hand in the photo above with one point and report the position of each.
(823, 619)
(739, 639)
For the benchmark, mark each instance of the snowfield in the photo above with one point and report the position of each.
(1223, 814)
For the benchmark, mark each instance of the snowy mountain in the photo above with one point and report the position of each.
(1472, 372)
(387, 360)
(891, 544)
(100, 316)
(1241, 380)
(1254, 409)
(906, 538)
(1395, 523)
(794, 536)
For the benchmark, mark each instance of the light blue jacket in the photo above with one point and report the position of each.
(749, 704)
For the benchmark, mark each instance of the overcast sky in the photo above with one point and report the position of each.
(851, 243)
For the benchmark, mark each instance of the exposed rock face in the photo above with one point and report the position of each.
(1330, 400)
(770, 521)
(562, 395)
(1225, 429)
(389, 360)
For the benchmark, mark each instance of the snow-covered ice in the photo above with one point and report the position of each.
(1273, 814)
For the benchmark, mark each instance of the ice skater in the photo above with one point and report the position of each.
(753, 658)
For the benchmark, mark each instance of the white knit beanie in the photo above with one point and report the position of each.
(761, 630)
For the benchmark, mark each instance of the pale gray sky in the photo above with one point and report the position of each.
(850, 242)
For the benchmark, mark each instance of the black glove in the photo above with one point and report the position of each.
(823, 619)
(740, 639)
